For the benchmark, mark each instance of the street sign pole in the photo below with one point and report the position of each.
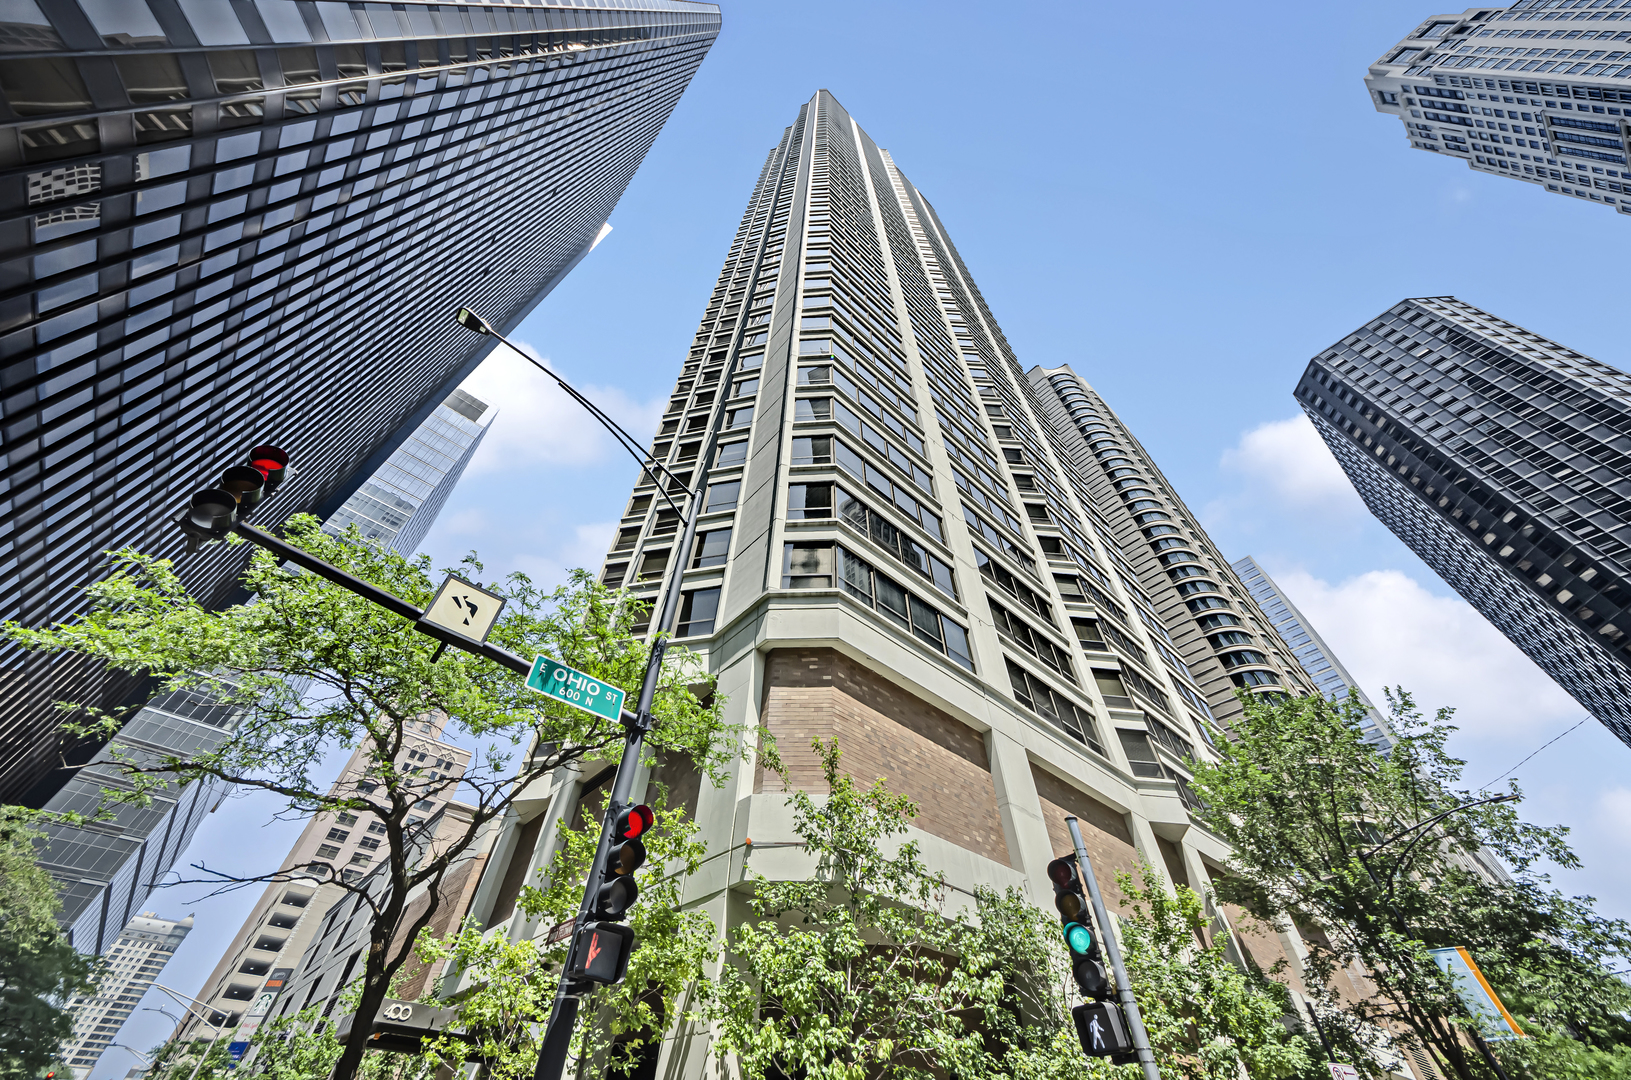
(1124, 987)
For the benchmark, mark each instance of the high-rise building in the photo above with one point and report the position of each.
(1168, 564)
(1501, 458)
(1539, 91)
(133, 966)
(1316, 657)
(281, 925)
(107, 869)
(891, 553)
(229, 224)
(396, 506)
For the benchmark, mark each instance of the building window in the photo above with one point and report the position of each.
(652, 565)
(732, 454)
(723, 496)
(697, 610)
(327, 851)
(1140, 754)
(812, 450)
(885, 595)
(1041, 699)
(807, 566)
(809, 502)
(712, 549)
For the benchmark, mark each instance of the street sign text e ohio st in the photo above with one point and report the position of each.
(556, 680)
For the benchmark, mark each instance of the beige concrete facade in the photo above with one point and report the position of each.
(882, 440)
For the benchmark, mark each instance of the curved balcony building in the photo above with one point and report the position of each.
(1226, 641)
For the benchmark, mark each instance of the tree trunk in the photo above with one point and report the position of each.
(376, 984)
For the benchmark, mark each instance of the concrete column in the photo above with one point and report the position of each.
(1021, 810)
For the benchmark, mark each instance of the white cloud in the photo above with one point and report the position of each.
(1290, 459)
(538, 424)
(586, 549)
(1390, 631)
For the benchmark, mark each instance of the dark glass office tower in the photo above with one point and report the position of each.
(230, 223)
(1504, 461)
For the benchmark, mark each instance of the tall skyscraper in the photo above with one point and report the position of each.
(893, 553)
(133, 966)
(1316, 657)
(229, 224)
(107, 869)
(396, 506)
(1164, 557)
(1502, 459)
(1539, 91)
(285, 919)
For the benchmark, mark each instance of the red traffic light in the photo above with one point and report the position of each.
(1062, 872)
(272, 463)
(633, 822)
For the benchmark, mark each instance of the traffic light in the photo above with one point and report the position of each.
(1081, 940)
(618, 892)
(1102, 1029)
(211, 513)
(601, 947)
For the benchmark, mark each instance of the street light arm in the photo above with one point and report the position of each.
(627, 441)
(182, 1000)
(1392, 877)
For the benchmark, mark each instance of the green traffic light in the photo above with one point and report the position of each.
(1079, 938)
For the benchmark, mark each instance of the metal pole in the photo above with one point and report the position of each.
(178, 996)
(558, 1034)
(1124, 987)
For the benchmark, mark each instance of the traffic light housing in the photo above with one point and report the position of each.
(617, 891)
(211, 513)
(1081, 939)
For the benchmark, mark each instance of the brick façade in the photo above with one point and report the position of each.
(885, 732)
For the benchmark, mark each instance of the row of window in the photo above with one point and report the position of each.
(825, 565)
(812, 502)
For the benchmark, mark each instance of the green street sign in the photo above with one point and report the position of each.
(555, 679)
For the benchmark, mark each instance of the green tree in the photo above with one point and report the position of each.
(861, 972)
(39, 970)
(1207, 1019)
(1349, 844)
(312, 667)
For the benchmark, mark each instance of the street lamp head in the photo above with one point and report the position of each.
(471, 321)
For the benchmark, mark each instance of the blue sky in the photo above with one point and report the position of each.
(1186, 223)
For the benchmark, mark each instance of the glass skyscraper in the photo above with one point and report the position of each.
(396, 506)
(1539, 91)
(227, 224)
(1316, 657)
(1502, 459)
(1223, 642)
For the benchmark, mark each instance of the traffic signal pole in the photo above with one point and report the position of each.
(563, 1017)
(557, 1041)
(1112, 950)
